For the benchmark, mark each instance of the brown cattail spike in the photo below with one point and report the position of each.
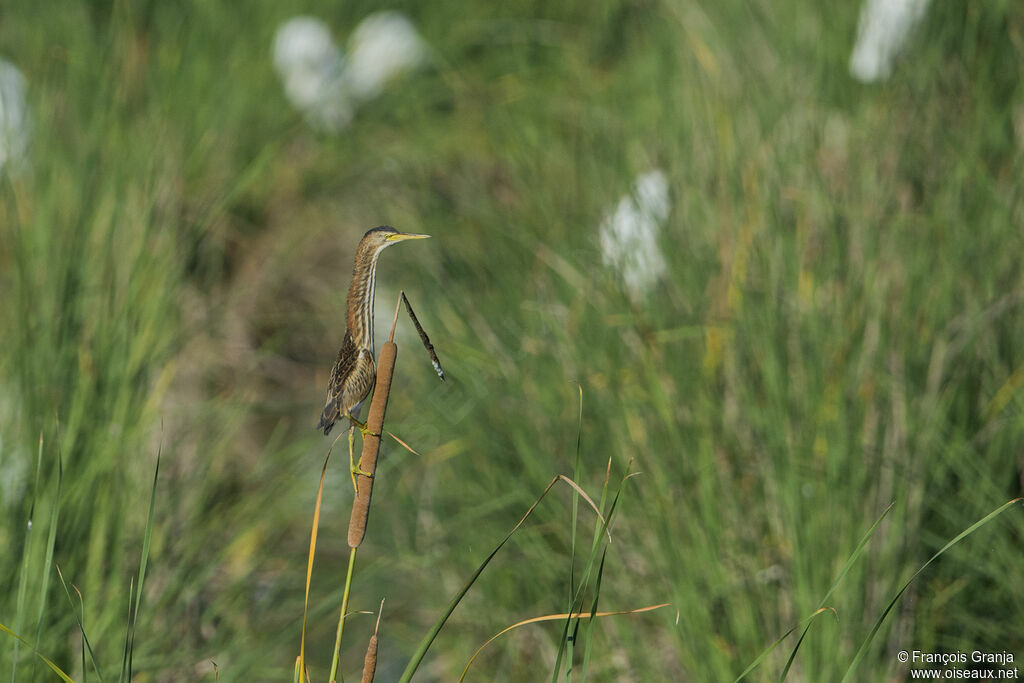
(371, 445)
(370, 662)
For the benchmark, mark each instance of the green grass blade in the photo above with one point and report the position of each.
(143, 563)
(577, 603)
(428, 639)
(19, 611)
(56, 669)
(604, 493)
(127, 630)
(82, 648)
(846, 568)
(589, 636)
(856, 553)
(892, 603)
(552, 617)
(86, 645)
(760, 658)
(51, 542)
(576, 474)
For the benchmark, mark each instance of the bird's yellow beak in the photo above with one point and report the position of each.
(399, 236)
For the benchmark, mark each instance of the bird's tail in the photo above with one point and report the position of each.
(328, 417)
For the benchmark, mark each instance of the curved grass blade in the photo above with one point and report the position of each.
(577, 473)
(405, 445)
(760, 658)
(133, 618)
(846, 568)
(588, 638)
(300, 663)
(56, 669)
(428, 639)
(892, 603)
(81, 619)
(555, 617)
(86, 645)
(19, 610)
(51, 543)
(577, 604)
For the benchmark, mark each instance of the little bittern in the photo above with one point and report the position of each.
(355, 371)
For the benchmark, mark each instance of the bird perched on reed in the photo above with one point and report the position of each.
(355, 371)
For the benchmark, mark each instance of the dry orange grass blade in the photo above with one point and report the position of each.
(301, 662)
(405, 445)
(554, 617)
(583, 493)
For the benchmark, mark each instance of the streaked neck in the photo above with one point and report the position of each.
(359, 316)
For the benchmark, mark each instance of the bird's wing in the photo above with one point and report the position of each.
(360, 380)
(348, 357)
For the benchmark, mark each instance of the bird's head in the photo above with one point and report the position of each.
(384, 236)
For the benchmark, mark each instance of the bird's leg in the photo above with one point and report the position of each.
(363, 429)
(356, 469)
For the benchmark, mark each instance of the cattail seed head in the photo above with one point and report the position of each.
(371, 445)
(370, 662)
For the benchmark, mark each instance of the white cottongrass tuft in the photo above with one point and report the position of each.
(383, 46)
(14, 120)
(328, 88)
(310, 64)
(629, 234)
(881, 34)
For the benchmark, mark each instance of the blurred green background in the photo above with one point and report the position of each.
(840, 328)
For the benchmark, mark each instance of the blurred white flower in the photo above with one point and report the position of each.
(327, 88)
(383, 46)
(14, 121)
(629, 235)
(884, 27)
(311, 65)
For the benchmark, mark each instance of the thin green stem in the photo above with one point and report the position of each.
(341, 619)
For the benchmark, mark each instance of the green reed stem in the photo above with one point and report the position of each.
(341, 618)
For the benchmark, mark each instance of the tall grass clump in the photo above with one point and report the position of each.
(90, 277)
(96, 257)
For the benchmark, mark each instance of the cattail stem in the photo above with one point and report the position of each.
(364, 484)
(364, 487)
(341, 619)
